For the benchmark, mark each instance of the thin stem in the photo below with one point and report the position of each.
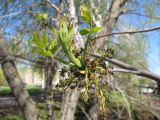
(63, 61)
(85, 51)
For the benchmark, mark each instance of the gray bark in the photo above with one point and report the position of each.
(10, 72)
(114, 12)
(71, 96)
(49, 74)
(130, 69)
(69, 103)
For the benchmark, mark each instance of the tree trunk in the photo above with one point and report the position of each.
(94, 110)
(69, 103)
(158, 87)
(71, 96)
(50, 67)
(10, 72)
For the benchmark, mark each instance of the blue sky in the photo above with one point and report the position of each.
(154, 51)
(153, 37)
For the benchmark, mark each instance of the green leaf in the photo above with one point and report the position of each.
(64, 36)
(55, 32)
(37, 41)
(70, 36)
(63, 26)
(44, 53)
(45, 16)
(95, 29)
(42, 16)
(53, 47)
(44, 40)
(86, 14)
(84, 31)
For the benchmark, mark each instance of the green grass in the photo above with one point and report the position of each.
(41, 110)
(5, 90)
(11, 116)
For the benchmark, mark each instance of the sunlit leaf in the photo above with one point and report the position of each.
(84, 31)
(37, 40)
(42, 16)
(44, 40)
(53, 46)
(70, 36)
(95, 29)
(86, 14)
(44, 53)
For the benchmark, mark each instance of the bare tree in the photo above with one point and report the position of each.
(50, 69)
(10, 71)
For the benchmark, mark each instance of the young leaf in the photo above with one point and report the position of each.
(37, 40)
(44, 40)
(70, 36)
(86, 14)
(95, 29)
(84, 31)
(63, 26)
(44, 53)
(42, 16)
(53, 46)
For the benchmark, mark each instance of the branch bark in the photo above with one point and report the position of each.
(10, 72)
(28, 59)
(114, 12)
(129, 68)
(69, 104)
(71, 96)
(73, 17)
(52, 5)
(128, 32)
(50, 69)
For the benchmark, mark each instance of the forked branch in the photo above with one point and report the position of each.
(129, 68)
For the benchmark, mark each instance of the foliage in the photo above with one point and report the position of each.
(86, 14)
(79, 67)
(42, 44)
(65, 36)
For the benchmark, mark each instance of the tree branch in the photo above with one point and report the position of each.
(130, 68)
(52, 5)
(128, 32)
(115, 11)
(29, 59)
(143, 15)
(73, 17)
(11, 14)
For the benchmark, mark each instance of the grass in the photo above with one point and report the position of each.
(41, 110)
(5, 90)
(11, 116)
(32, 89)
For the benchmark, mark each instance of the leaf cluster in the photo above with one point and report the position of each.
(42, 45)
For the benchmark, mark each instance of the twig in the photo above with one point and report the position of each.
(52, 5)
(11, 14)
(143, 15)
(28, 59)
(128, 32)
(132, 69)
